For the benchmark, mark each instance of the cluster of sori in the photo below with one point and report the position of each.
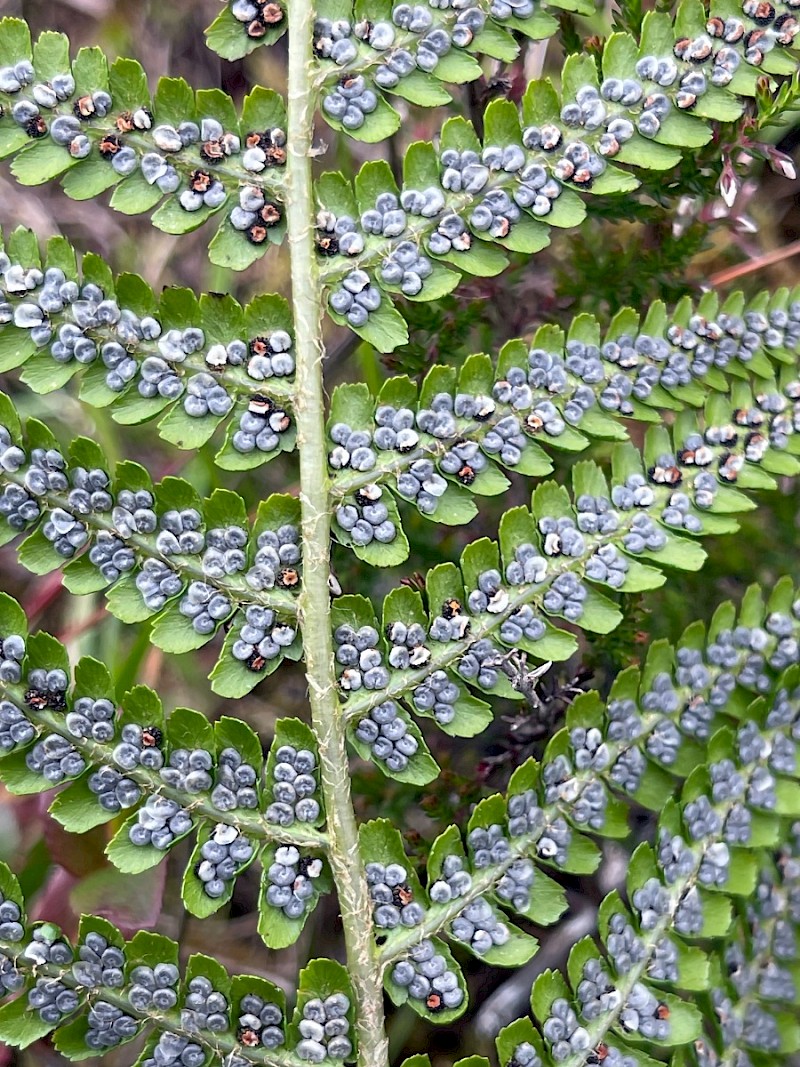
(294, 786)
(663, 964)
(352, 448)
(257, 16)
(596, 992)
(134, 513)
(625, 948)
(290, 881)
(524, 814)
(262, 638)
(338, 235)
(46, 946)
(236, 783)
(260, 1022)
(222, 858)
(554, 841)
(179, 531)
(46, 689)
(224, 553)
(204, 1007)
(386, 733)
(261, 425)
(11, 980)
(408, 648)
(755, 1027)
(451, 624)
(350, 101)
(392, 896)
(99, 963)
(66, 533)
(270, 356)
(516, 884)
(642, 1013)
(52, 1000)
(17, 505)
(206, 606)
(139, 746)
(406, 267)
(255, 216)
(55, 759)
(111, 555)
(482, 664)
(439, 695)
(12, 653)
(563, 1031)
(783, 721)
(325, 1029)
(464, 461)
(11, 928)
(395, 429)
(454, 881)
(205, 396)
(175, 1050)
(108, 1026)
(426, 977)
(114, 792)
(159, 822)
(753, 748)
(355, 298)
(422, 484)
(479, 927)
(188, 770)
(585, 801)
(489, 846)
(277, 560)
(359, 655)
(525, 1055)
(490, 595)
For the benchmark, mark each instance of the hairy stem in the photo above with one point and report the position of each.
(314, 601)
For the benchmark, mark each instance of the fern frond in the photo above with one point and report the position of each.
(372, 31)
(411, 64)
(462, 200)
(189, 156)
(105, 991)
(158, 551)
(197, 364)
(169, 775)
(740, 784)
(558, 393)
(550, 564)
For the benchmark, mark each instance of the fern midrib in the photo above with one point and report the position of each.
(314, 601)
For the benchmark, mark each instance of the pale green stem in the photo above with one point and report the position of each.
(314, 600)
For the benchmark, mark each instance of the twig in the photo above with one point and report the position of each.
(766, 260)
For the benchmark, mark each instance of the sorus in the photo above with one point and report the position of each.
(151, 737)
